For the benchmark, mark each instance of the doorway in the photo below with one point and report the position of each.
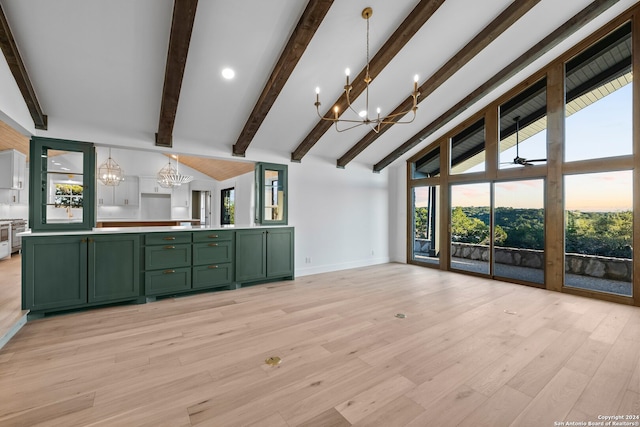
(201, 206)
(497, 229)
(227, 206)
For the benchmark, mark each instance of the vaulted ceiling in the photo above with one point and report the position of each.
(147, 73)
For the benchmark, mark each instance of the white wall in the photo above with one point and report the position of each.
(398, 212)
(341, 216)
(14, 211)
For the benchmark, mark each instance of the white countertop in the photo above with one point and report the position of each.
(144, 220)
(136, 230)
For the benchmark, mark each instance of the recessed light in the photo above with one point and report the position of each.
(228, 73)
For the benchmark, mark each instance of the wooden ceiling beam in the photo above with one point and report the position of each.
(508, 17)
(307, 26)
(545, 45)
(19, 71)
(184, 13)
(412, 23)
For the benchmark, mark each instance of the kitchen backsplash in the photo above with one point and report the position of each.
(14, 211)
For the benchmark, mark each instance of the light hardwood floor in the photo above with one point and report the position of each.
(11, 313)
(470, 352)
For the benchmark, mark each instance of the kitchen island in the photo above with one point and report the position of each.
(80, 269)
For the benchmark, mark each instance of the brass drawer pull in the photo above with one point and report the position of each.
(169, 238)
(213, 244)
(213, 236)
(169, 247)
(212, 267)
(168, 272)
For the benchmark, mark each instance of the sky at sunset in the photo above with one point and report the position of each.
(601, 130)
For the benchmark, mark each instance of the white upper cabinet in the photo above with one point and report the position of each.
(150, 185)
(180, 196)
(125, 194)
(13, 165)
(128, 192)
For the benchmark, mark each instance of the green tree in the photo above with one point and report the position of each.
(421, 222)
(467, 230)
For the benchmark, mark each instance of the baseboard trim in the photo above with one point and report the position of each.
(13, 330)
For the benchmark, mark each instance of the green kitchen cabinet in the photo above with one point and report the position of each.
(251, 255)
(265, 253)
(164, 256)
(64, 272)
(213, 259)
(54, 272)
(168, 280)
(107, 283)
(280, 252)
(167, 263)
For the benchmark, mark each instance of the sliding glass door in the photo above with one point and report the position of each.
(518, 248)
(426, 238)
(470, 227)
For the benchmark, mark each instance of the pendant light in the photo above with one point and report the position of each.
(110, 173)
(169, 177)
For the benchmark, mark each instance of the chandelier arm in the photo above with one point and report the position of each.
(347, 91)
(357, 123)
(402, 113)
(361, 122)
(399, 122)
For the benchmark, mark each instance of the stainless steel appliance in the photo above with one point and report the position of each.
(5, 236)
(18, 225)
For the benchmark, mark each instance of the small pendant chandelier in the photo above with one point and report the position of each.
(364, 119)
(110, 173)
(169, 177)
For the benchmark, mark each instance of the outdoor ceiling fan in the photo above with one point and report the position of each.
(521, 160)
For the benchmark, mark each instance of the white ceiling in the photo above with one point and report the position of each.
(98, 67)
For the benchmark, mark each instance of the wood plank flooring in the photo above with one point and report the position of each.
(11, 312)
(470, 352)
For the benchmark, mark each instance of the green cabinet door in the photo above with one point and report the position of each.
(251, 250)
(167, 256)
(113, 267)
(167, 281)
(212, 253)
(54, 272)
(280, 252)
(212, 276)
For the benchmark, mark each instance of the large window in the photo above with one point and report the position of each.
(599, 99)
(599, 232)
(468, 149)
(541, 184)
(523, 128)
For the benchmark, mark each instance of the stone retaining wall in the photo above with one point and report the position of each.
(585, 265)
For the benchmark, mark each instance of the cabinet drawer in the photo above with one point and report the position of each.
(212, 253)
(167, 281)
(211, 236)
(167, 256)
(211, 276)
(167, 238)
